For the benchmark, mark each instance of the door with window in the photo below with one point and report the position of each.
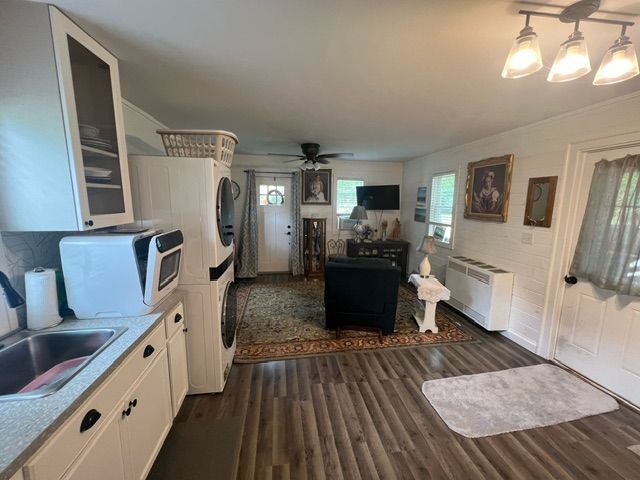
(599, 331)
(274, 223)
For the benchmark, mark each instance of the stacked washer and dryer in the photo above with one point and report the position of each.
(195, 195)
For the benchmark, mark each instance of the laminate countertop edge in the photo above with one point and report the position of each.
(26, 425)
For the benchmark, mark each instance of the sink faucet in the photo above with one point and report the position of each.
(13, 298)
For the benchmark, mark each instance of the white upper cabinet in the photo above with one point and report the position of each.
(63, 158)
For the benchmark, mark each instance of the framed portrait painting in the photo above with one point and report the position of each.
(316, 187)
(488, 186)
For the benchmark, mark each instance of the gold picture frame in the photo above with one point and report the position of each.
(488, 188)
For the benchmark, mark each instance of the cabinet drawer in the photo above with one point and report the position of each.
(56, 456)
(174, 320)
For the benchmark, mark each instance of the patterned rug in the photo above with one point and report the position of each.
(279, 321)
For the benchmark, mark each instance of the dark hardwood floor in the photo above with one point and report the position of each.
(363, 415)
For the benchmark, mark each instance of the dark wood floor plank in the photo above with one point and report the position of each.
(363, 415)
(313, 451)
(249, 449)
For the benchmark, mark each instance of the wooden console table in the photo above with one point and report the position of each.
(395, 250)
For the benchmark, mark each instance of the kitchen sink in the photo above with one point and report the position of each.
(36, 364)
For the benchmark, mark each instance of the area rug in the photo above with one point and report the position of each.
(287, 320)
(195, 451)
(516, 399)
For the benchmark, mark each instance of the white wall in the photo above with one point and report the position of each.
(373, 173)
(140, 130)
(540, 150)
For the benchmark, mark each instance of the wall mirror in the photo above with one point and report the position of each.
(540, 199)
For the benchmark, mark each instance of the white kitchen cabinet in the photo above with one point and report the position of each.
(177, 351)
(132, 415)
(177, 348)
(103, 458)
(144, 427)
(61, 126)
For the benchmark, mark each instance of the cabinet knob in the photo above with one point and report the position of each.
(89, 223)
(89, 420)
(133, 403)
(126, 413)
(177, 318)
(148, 350)
(185, 330)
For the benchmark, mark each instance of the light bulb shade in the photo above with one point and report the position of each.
(524, 57)
(428, 245)
(358, 213)
(619, 63)
(572, 60)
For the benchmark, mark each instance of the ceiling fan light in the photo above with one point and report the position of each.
(524, 57)
(572, 60)
(620, 63)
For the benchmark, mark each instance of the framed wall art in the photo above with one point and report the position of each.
(488, 186)
(316, 187)
(541, 196)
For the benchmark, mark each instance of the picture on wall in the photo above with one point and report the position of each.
(420, 215)
(421, 200)
(488, 185)
(316, 187)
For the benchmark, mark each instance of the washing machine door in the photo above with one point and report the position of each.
(225, 211)
(229, 315)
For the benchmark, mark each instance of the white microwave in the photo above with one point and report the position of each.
(120, 275)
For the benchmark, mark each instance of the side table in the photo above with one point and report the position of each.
(430, 292)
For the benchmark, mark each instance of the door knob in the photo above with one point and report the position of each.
(288, 233)
(570, 279)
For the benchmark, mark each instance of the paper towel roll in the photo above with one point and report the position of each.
(42, 298)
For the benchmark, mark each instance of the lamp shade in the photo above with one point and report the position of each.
(524, 57)
(619, 63)
(428, 245)
(572, 60)
(358, 213)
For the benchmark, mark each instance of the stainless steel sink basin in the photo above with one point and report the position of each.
(36, 364)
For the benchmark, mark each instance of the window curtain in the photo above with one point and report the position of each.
(608, 249)
(248, 242)
(295, 246)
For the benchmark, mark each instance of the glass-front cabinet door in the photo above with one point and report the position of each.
(92, 107)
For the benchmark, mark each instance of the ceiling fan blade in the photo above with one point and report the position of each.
(335, 155)
(323, 161)
(297, 159)
(285, 155)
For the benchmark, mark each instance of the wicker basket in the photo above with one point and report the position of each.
(216, 144)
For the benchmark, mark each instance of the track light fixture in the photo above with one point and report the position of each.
(572, 60)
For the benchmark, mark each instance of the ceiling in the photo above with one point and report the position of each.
(387, 80)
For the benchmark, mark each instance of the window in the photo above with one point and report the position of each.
(271, 194)
(443, 186)
(346, 196)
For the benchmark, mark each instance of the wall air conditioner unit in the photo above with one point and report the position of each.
(480, 291)
(345, 223)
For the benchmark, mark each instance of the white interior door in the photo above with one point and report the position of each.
(274, 223)
(599, 332)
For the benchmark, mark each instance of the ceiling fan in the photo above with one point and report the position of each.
(311, 156)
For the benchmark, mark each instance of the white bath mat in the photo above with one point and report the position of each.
(515, 399)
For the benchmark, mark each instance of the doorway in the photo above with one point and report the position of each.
(274, 223)
(599, 330)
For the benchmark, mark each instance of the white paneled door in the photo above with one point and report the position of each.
(599, 333)
(274, 223)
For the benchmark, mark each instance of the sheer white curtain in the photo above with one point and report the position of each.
(608, 249)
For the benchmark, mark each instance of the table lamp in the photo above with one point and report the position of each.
(358, 213)
(428, 246)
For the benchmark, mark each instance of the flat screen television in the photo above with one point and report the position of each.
(379, 197)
